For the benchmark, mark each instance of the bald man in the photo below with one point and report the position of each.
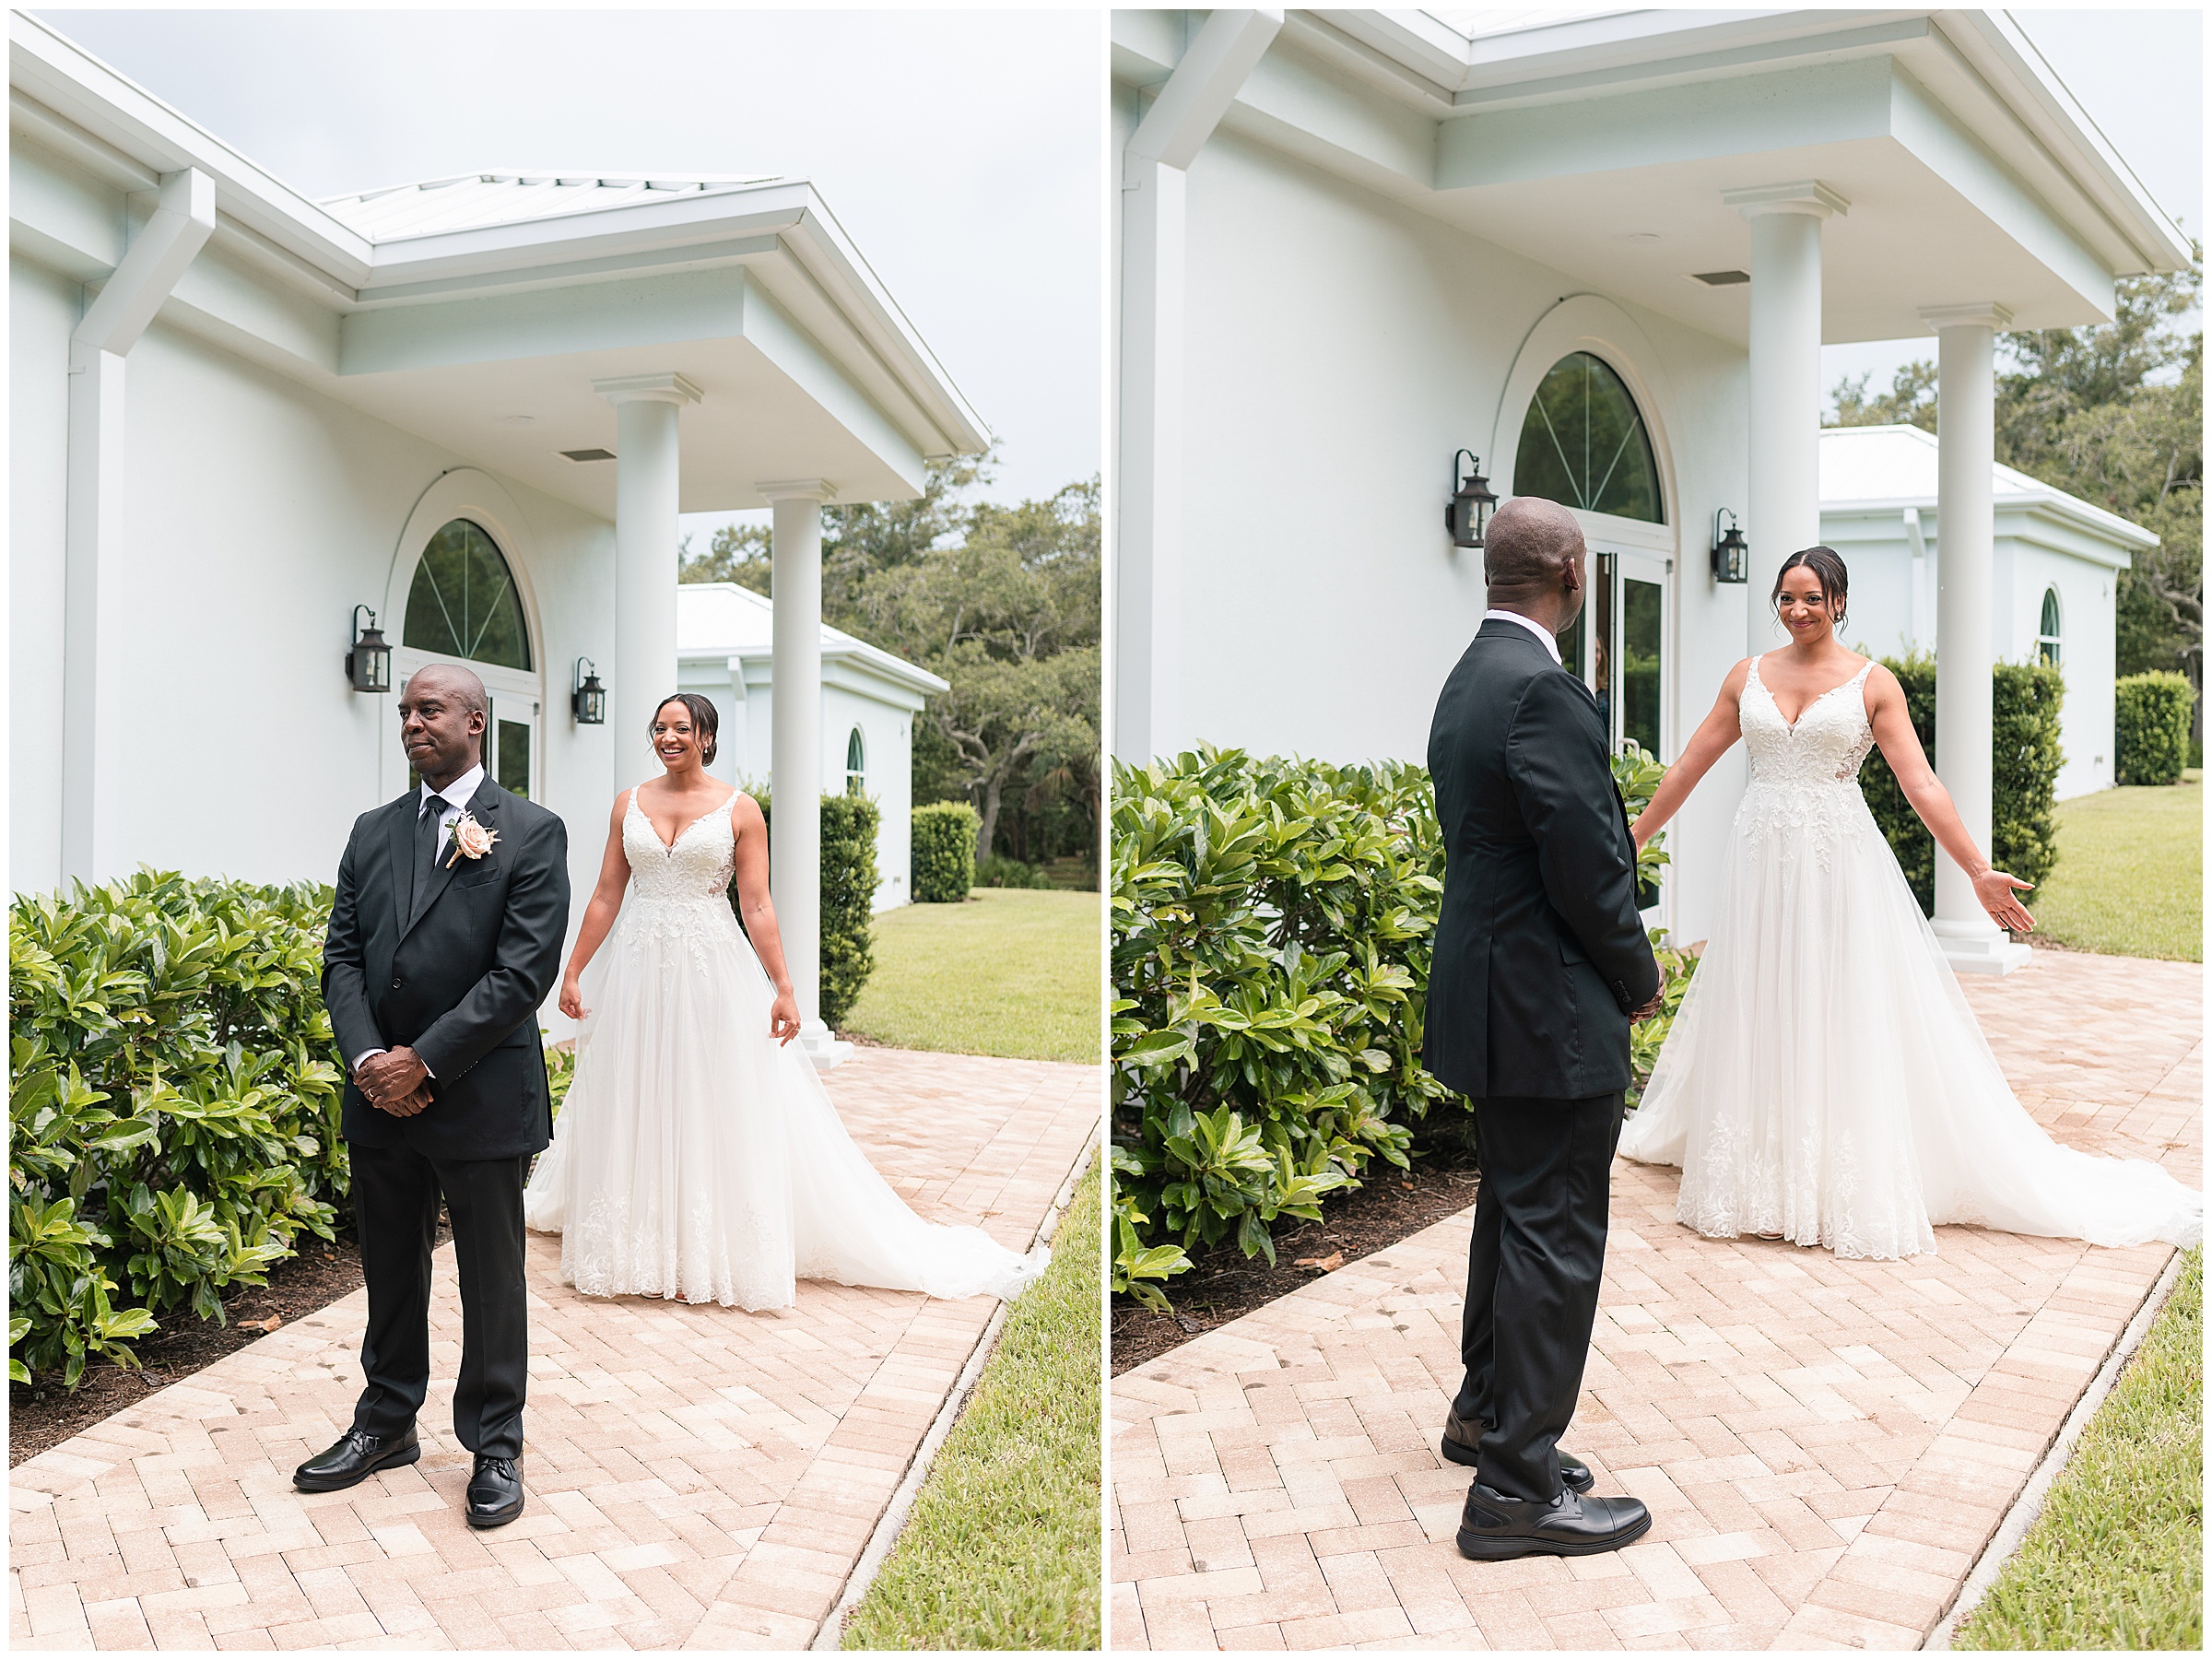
(444, 940)
(1541, 963)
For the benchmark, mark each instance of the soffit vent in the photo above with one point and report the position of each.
(1720, 279)
(589, 455)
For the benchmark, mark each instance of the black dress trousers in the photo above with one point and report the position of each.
(395, 1194)
(1533, 1267)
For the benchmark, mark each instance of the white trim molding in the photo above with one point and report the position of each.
(1801, 195)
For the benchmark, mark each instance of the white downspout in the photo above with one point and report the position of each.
(1916, 534)
(1148, 536)
(96, 498)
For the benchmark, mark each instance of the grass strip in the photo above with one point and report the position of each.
(1001, 1549)
(2129, 877)
(1012, 971)
(2116, 1558)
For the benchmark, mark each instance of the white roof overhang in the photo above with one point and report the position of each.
(725, 623)
(746, 288)
(1971, 174)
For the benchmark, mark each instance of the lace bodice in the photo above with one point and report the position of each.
(1828, 744)
(696, 868)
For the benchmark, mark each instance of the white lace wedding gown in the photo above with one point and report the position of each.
(697, 1157)
(1825, 1078)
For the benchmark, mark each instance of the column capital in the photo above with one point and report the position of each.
(1977, 314)
(1798, 195)
(648, 389)
(798, 489)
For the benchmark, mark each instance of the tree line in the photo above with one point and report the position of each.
(2113, 413)
(1003, 602)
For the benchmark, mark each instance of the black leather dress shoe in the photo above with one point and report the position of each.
(1495, 1528)
(357, 1457)
(495, 1491)
(1462, 1438)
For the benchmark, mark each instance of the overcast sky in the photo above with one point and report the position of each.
(2140, 75)
(960, 150)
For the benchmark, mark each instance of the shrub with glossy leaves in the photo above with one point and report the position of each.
(174, 1106)
(1271, 923)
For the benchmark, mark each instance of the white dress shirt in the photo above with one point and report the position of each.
(456, 797)
(1533, 625)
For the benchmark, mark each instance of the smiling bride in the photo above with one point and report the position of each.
(1825, 1080)
(697, 1155)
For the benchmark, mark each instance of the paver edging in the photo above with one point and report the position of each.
(893, 1521)
(2011, 1533)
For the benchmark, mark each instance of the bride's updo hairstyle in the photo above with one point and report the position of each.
(704, 721)
(1826, 564)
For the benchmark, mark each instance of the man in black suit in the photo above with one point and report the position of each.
(1541, 964)
(446, 939)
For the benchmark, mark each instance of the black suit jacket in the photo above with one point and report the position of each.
(460, 984)
(1540, 955)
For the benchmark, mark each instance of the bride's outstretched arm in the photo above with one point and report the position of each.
(759, 912)
(1892, 724)
(599, 916)
(1711, 740)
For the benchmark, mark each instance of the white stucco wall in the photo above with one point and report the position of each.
(1341, 346)
(261, 513)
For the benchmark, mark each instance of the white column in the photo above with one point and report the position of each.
(795, 837)
(1147, 603)
(648, 476)
(1965, 532)
(1784, 500)
(94, 766)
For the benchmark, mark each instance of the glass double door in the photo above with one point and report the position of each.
(1617, 647)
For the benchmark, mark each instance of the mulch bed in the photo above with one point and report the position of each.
(1389, 1205)
(46, 1415)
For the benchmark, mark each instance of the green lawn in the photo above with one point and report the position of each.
(2129, 879)
(2116, 1558)
(1002, 1549)
(1014, 971)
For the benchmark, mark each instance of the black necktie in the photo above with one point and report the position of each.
(426, 848)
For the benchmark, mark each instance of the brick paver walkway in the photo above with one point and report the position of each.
(1826, 1446)
(698, 1477)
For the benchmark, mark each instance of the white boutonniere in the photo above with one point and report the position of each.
(470, 838)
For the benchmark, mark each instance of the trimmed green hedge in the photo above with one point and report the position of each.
(174, 1106)
(2151, 720)
(850, 877)
(2025, 756)
(943, 861)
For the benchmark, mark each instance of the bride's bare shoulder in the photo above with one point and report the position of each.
(745, 813)
(1733, 687)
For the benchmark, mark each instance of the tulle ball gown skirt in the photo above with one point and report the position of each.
(695, 1157)
(1826, 1079)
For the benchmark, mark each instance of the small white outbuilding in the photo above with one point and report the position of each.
(725, 651)
(2055, 564)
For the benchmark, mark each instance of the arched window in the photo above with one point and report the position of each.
(2047, 638)
(1583, 443)
(463, 603)
(856, 764)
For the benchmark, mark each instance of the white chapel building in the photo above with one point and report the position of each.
(247, 425)
(1595, 255)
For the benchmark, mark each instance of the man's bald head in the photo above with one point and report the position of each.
(452, 682)
(1530, 542)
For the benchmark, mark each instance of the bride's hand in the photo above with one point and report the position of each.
(783, 1017)
(572, 999)
(1994, 890)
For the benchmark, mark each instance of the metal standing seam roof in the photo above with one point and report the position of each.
(472, 201)
(1895, 467)
(723, 620)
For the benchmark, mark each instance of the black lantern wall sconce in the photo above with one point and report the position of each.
(369, 660)
(1730, 555)
(588, 702)
(1467, 514)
